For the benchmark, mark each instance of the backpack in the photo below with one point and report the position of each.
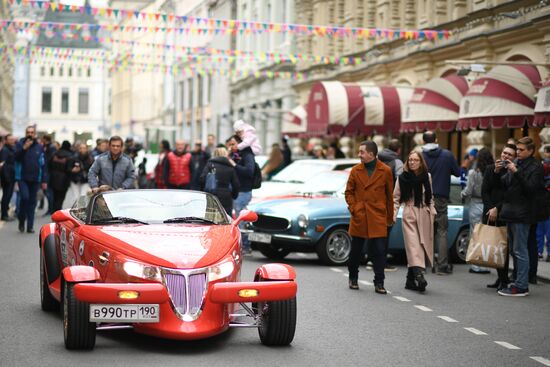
(211, 182)
(257, 177)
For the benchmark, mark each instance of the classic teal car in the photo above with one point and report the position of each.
(316, 219)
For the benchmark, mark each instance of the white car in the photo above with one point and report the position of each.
(292, 177)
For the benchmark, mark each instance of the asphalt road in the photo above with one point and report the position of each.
(457, 322)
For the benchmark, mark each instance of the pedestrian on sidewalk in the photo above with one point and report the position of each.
(177, 167)
(7, 174)
(472, 193)
(522, 181)
(369, 195)
(31, 175)
(441, 165)
(413, 189)
(492, 193)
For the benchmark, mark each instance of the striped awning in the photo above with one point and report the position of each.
(542, 107)
(435, 105)
(355, 108)
(505, 97)
(295, 122)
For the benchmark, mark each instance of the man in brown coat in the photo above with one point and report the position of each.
(369, 195)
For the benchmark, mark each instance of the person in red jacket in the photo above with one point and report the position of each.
(177, 168)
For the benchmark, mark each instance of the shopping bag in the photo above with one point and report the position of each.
(488, 246)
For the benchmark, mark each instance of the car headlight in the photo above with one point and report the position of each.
(221, 270)
(142, 271)
(303, 221)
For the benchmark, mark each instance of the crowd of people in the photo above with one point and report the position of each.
(504, 192)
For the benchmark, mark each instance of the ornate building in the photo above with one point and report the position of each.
(6, 77)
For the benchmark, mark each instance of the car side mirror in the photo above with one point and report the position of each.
(246, 216)
(62, 216)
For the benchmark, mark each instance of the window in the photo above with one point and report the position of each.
(83, 100)
(52, 71)
(65, 100)
(79, 72)
(70, 73)
(89, 72)
(181, 97)
(42, 71)
(46, 100)
(61, 71)
(200, 90)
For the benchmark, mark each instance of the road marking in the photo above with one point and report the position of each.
(544, 361)
(475, 331)
(423, 308)
(402, 299)
(507, 345)
(336, 270)
(364, 282)
(301, 254)
(447, 318)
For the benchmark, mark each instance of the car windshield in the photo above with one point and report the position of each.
(157, 206)
(328, 183)
(301, 171)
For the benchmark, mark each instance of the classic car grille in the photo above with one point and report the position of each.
(269, 223)
(186, 291)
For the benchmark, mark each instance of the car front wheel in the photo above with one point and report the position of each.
(277, 321)
(335, 247)
(78, 331)
(460, 247)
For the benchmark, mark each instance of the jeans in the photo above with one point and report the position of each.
(441, 226)
(543, 233)
(27, 206)
(239, 204)
(7, 192)
(518, 234)
(377, 252)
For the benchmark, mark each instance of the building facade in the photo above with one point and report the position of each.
(6, 77)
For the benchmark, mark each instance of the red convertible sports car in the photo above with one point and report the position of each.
(164, 262)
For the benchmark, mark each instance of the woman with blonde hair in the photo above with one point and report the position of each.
(413, 189)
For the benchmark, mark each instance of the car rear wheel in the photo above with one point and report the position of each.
(335, 247)
(277, 322)
(272, 252)
(78, 331)
(460, 247)
(47, 302)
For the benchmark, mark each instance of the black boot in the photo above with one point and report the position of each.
(421, 283)
(495, 284)
(410, 284)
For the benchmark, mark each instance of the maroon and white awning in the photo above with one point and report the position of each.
(505, 97)
(435, 105)
(355, 108)
(542, 108)
(295, 122)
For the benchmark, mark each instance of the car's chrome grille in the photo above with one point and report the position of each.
(186, 289)
(269, 223)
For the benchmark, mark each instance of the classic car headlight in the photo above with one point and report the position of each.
(221, 270)
(142, 271)
(303, 221)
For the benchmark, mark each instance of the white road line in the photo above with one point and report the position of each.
(336, 270)
(507, 345)
(447, 318)
(364, 282)
(544, 361)
(475, 331)
(402, 299)
(423, 308)
(301, 254)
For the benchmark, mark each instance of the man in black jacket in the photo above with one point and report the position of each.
(7, 174)
(243, 161)
(523, 180)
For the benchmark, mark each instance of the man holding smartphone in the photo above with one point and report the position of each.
(31, 174)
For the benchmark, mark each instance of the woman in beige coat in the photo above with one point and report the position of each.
(413, 189)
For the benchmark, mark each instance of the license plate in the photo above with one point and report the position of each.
(124, 313)
(259, 237)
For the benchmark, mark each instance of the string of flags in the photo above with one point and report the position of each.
(233, 26)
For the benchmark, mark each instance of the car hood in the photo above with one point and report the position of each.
(313, 207)
(181, 246)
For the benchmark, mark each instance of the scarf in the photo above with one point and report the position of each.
(411, 186)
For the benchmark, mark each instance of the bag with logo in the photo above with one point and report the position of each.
(211, 182)
(488, 246)
(257, 177)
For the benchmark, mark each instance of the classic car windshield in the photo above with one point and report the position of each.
(329, 183)
(157, 206)
(301, 171)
